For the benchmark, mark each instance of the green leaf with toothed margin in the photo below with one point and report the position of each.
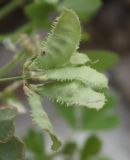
(62, 42)
(84, 74)
(41, 118)
(71, 93)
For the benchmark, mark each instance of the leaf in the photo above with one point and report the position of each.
(69, 148)
(61, 43)
(6, 130)
(71, 93)
(90, 119)
(68, 113)
(41, 118)
(79, 59)
(12, 150)
(106, 59)
(35, 142)
(6, 123)
(103, 119)
(84, 8)
(85, 37)
(7, 113)
(85, 74)
(91, 147)
(38, 13)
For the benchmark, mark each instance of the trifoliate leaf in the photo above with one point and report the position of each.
(60, 73)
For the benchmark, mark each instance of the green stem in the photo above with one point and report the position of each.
(16, 59)
(11, 79)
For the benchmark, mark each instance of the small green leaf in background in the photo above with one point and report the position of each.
(12, 150)
(90, 119)
(6, 123)
(92, 147)
(84, 8)
(69, 148)
(67, 113)
(102, 60)
(10, 147)
(38, 13)
(34, 142)
(103, 119)
(85, 36)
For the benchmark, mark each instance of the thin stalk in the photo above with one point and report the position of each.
(11, 79)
